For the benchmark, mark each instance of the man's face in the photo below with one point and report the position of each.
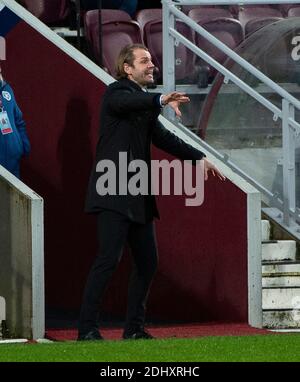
(141, 71)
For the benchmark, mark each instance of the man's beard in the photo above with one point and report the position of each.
(144, 79)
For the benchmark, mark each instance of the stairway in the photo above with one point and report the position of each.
(280, 282)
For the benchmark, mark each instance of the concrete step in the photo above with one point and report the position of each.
(281, 281)
(281, 319)
(280, 266)
(265, 230)
(279, 250)
(281, 275)
(286, 298)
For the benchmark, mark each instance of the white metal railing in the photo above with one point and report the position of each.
(290, 127)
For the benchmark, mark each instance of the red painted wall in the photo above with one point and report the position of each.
(203, 251)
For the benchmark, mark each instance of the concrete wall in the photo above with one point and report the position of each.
(21, 257)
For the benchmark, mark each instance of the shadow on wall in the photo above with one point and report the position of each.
(64, 209)
(75, 158)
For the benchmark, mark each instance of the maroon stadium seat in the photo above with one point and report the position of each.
(187, 8)
(208, 13)
(226, 29)
(285, 9)
(118, 30)
(48, 11)
(254, 17)
(210, 8)
(145, 15)
(153, 40)
(233, 9)
(259, 22)
(294, 11)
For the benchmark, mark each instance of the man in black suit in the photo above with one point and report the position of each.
(129, 124)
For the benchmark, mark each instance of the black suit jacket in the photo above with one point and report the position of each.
(129, 123)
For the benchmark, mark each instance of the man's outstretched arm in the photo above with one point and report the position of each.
(169, 142)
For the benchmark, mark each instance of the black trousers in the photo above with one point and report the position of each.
(113, 231)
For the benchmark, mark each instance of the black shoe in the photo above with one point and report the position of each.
(138, 335)
(93, 335)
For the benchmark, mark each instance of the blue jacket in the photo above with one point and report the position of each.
(12, 146)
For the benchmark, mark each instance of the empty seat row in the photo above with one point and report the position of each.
(251, 17)
(53, 11)
(118, 30)
(285, 9)
(48, 11)
(230, 24)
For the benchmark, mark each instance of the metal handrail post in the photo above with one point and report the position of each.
(168, 54)
(78, 18)
(290, 128)
(289, 168)
(100, 37)
(230, 53)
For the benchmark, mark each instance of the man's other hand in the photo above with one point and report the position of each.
(174, 100)
(210, 167)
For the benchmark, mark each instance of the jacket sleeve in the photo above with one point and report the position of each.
(169, 142)
(123, 100)
(20, 124)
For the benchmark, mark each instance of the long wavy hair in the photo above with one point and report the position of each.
(126, 56)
